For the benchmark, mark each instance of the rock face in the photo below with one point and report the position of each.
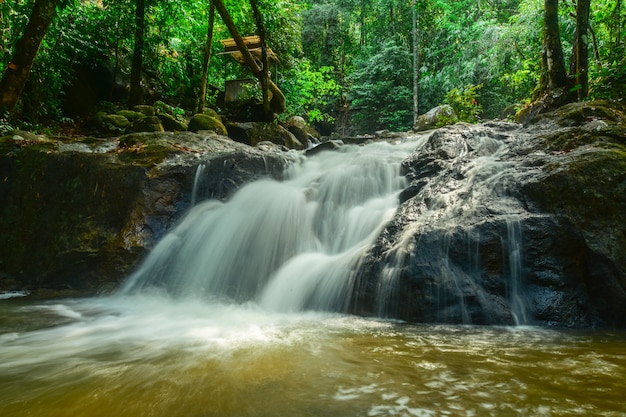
(499, 223)
(79, 214)
(502, 224)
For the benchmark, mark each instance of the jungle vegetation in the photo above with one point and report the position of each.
(350, 64)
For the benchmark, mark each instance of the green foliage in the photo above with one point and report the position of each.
(5, 125)
(310, 92)
(335, 55)
(464, 101)
(381, 91)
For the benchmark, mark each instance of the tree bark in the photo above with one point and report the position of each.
(580, 59)
(554, 77)
(26, 48)
(416, 64)
(278, 102)
(207, 60)
(136, 94)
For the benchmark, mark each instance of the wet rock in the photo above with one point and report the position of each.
(80, 218)
(329, 145)
(503, 224)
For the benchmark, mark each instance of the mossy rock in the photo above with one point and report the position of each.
(147, 124)
(210, 112)
(145, 110)
(207, 122)
(254, 133)
(436, 117)
(170, 124)
(164, 108)
(131, 115)
(114, 123)
(576, 114)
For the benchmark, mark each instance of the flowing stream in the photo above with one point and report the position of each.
(240, 311)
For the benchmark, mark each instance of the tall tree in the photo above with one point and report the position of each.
(554, 77)
(26, 48)
(415, 64)
(206, 60)
(579, 67)
(136, 93)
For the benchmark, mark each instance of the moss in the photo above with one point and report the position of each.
(170, 123)
(145, 110)
(207, 122)
(131, 115)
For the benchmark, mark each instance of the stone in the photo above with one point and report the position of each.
(145, 110)
(146, 124)
(114, 123)
(436, 117)
(548, 227)
(131, 115)
(329, 145)
(253, 133)
(171, 124)
(81, 221)
(207, 122)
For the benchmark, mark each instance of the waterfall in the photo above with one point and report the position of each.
(196, 183)
(514, 281)
(300, 243)
(287, 245)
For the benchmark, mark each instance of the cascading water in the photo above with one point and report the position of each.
(196, 183)
(297, 244)
(289, 245)
(168, 346)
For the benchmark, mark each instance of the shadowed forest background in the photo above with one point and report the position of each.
(344, 65)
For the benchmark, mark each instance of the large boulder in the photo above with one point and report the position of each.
(78, 214)
(436, 117)
(111, 123)
(208, 122)
(146, 124)
(501, 224)
(253, 133)
(171, 124)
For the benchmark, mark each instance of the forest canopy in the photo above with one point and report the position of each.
(347, 64)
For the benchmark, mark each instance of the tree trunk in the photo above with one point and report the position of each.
(136, 94)
(278, 102)
(206, 61)
(26, 48)
(580, 59)
(265, 77)
(554, 77)
(416, 64)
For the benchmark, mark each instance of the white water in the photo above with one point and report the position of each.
(289, 246)
(280, 247)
